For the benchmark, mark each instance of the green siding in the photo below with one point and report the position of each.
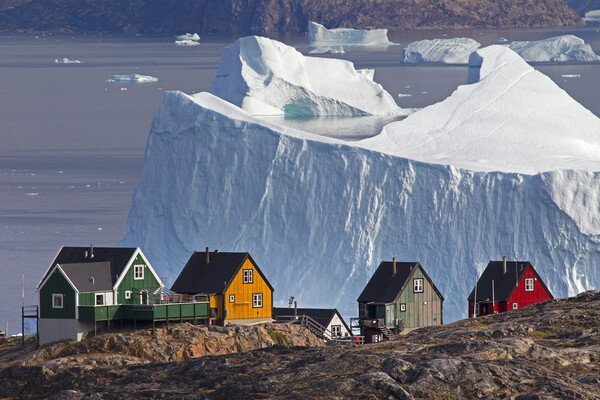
(87, 299)
(129, 283)
(57, 283)
(422, 309)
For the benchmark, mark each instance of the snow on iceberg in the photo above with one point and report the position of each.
(266, 77)
(189, 36)
(318, 214)
(320, 36)
(447, 51)
(510, 118)
(186, 42)
(555, 49)
(133, 78)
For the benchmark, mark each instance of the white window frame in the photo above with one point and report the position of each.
(100, 296)
(515, 306)
(257, 300)
(336, 330)
(138, 272)
(248, 276)
(529, 285)
(57, 296)
(128, 294)
(232, 298)
(418, 285)
(402, 307)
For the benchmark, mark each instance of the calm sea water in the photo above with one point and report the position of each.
(72, 144)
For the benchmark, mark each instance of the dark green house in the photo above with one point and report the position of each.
(399, 295)
(87, 284)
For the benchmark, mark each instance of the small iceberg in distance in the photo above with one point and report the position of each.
(65, 60)
(189, 36)
(445, 51)
(319, 36)
(186, 42)
(133, 78)
(327, 50)
(555, 49)
(502, 39)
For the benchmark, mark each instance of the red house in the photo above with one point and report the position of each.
(507, 285)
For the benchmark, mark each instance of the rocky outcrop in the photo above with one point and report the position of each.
(273, 16)
(548, 351)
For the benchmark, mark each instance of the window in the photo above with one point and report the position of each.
(402, 307)
(257, 300)
(418, 285)
(57, 300)
(529, 284)
(336, 330)
(515, 306)
(128, 294)
(232, 298)
(214, 312)
(100, 299)
(138, 272)
(248, 276)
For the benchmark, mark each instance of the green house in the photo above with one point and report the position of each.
(399, 295)
(87, 284)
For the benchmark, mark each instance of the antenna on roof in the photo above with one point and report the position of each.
(91, 250)
(92, 279)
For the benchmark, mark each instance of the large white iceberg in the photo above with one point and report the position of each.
(320, 36)
(555, 49)
(511, 118)
(447, 51)
(266, 77)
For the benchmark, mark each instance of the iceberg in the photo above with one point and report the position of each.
(446, 51)
(327, 50)
(267, 78)
(133, 78)
(592, 16)
(555, 49)
(189, 36)
(65, 60)
(319, 214)
(186, 42)
(510, 118)
(319, 36)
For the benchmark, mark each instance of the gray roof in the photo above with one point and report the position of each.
(321, 315)
(385, 286)
(504, 283)
(90, 277)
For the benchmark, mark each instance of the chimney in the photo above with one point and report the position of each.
(394, 266)
(91, 251)
(207, 256)
(504, 265)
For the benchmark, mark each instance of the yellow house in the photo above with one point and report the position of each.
(238, 290)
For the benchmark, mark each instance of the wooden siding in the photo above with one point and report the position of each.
(129, 283)
(242, 307)
(422, 309)
(216, 301)
(57, 283)
(523, 298)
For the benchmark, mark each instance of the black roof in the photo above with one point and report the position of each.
(118, 257)
(90, 277)
(504, 284)
(321, 315)
(385, 286)
(198, 277)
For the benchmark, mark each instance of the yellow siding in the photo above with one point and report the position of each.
(216, 301)
(242, 307)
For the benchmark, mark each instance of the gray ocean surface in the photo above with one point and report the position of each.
(72, 144)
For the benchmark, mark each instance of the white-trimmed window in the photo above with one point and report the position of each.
(138, 271)
(336, 330)
(248, 276)
(128, 294)
(99, 299)
(257, 300)
(232, 298)
(418, 285)
(57, 300)
(515, 306)
(402, 307)
(529, 284)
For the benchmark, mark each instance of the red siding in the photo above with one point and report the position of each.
(523, 298)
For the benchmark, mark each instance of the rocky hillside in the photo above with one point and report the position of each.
(547, 351)
(273, 16)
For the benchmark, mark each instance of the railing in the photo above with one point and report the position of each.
(145, 312)
(317, 329)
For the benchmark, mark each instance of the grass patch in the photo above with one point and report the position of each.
(279, 338)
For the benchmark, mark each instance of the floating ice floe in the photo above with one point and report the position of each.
(592, 16)
(502, 39)
(189, 36)
(266, 77)
(327, 50)
(555, 49)
(319, 36)
(186, 43)
(404, 95)
(446, 51)
(132, 78)
(65, 60)
(571, 76)
(510, 118)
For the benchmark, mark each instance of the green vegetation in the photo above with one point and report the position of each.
(279, 337)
